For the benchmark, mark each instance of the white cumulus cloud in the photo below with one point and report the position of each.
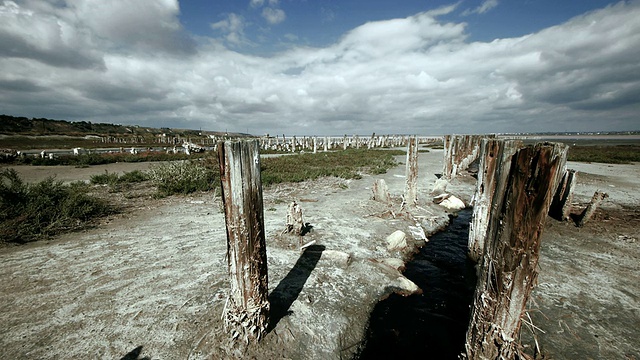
(233, 28)
(273, 16)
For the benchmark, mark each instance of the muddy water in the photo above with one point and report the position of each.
(431, 325)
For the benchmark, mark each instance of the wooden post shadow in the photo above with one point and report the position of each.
(290, 287)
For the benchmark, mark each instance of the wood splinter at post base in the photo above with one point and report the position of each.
(588, 212)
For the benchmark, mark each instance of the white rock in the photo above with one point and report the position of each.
(339, 258)
(439, 187)
(397, 240)
(405, 286)
(453, 203)
(395, 263)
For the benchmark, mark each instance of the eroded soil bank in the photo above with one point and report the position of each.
(156, 278)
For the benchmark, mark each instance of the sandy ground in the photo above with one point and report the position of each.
(152, 283)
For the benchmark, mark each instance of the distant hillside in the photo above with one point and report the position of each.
(12, 125)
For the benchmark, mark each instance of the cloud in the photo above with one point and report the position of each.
(49, 39)
(410, 75)
(271, 13)
(273, 16)
(233, 28)
(77, 33)
(483, 8)
(146, 25)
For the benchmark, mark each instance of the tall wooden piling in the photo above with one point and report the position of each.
(411, 186)
(509, 265)
(247, 308)
(459, 152)
(493, 173)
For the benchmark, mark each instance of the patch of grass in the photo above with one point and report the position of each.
(84, 160)
(619, 154)
(31, 211)
(21, 142)
(434, 145)
(346, 164)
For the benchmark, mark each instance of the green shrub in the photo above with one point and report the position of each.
(183, 177)
(135, 176)
(28, 212)
(105, 179)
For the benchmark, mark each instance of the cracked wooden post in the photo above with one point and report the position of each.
(493, 173)
(588, 212)
(448, 155)
(509, 265)
(294, 223)
(247, 308)
(561, 205)
(381, 192)
(459, 152)
(411, 188)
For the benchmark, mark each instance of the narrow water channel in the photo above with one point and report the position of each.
(431, 325)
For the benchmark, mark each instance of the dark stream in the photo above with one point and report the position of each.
(431, 325)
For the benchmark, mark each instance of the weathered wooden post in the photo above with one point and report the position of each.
(459, 152)
(493, 173)
(509, 264)
(411, 189)
(588, 212)
(448, 154)
(381, 192)
(294, 222)
(247, 308)
(561, 205)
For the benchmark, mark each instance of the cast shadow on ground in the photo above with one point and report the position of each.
(289, 288)
(135, 355)
(306, 229)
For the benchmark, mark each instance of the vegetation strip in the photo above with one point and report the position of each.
(30, 212)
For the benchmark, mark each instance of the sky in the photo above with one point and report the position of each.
(331, 67)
